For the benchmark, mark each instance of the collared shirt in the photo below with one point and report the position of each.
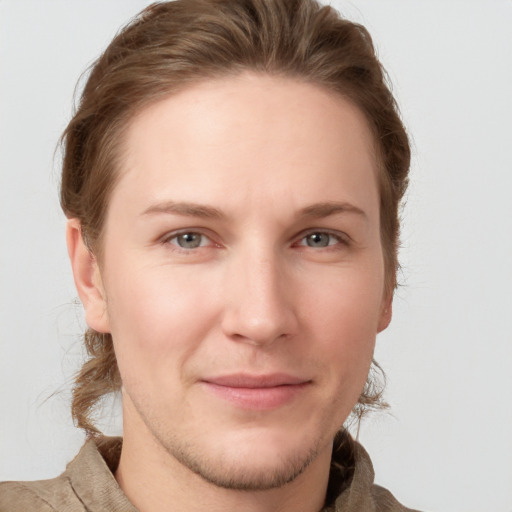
(88, 484)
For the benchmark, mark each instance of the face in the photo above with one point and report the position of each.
(242, 275)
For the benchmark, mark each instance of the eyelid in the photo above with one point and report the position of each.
(343, 237)
(166, 239)
(340, 235)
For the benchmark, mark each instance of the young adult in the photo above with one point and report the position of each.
(232, 178)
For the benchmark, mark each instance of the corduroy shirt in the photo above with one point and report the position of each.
(88, 484)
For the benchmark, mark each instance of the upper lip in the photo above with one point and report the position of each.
(244, 380)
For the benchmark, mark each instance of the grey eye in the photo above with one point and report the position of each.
(189, 240)
(318, 240)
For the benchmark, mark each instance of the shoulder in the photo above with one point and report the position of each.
(386, 502)
(87, 483)
(37, 496)
(352, 480)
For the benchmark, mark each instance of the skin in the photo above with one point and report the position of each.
(281, 274)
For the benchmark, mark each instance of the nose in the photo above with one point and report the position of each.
(260, 306)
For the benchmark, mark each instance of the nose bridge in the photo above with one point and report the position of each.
(259, 310)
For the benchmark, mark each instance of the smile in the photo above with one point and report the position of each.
(257, 392)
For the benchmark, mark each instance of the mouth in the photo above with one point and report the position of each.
(257, 392)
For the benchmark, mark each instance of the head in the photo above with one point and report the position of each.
(175, 50)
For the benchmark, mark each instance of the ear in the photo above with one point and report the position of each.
(87, 278)
(386, 313)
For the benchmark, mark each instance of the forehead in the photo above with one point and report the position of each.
(240, 133)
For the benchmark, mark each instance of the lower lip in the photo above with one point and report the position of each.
(260, 399)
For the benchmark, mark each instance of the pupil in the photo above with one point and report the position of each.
(189, 240)
(318, 240)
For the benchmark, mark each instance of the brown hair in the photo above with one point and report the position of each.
(170, 45)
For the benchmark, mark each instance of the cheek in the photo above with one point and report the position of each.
(155, 312)
(345, 317)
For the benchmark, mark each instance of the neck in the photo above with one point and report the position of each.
(154, 481)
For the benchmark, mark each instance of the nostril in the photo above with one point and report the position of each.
(261, 330)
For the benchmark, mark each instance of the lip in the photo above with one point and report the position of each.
(257, 392)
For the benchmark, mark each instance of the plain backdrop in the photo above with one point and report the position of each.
(446, 444)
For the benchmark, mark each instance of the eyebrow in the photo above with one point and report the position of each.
(186, 209)
(317, 210)
(320, 210)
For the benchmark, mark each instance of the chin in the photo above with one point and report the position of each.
(252, 460)
(247, 471)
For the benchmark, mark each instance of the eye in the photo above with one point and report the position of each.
(320, 239)
(189, 240)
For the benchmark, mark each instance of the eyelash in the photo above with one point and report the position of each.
(174, 236)
(341, 238)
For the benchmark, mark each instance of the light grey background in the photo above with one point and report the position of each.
(446, 445)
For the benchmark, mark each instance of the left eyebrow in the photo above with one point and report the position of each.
(320, 210)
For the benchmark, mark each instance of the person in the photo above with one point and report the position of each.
(232, 178)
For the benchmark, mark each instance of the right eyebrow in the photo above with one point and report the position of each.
(185, 209)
